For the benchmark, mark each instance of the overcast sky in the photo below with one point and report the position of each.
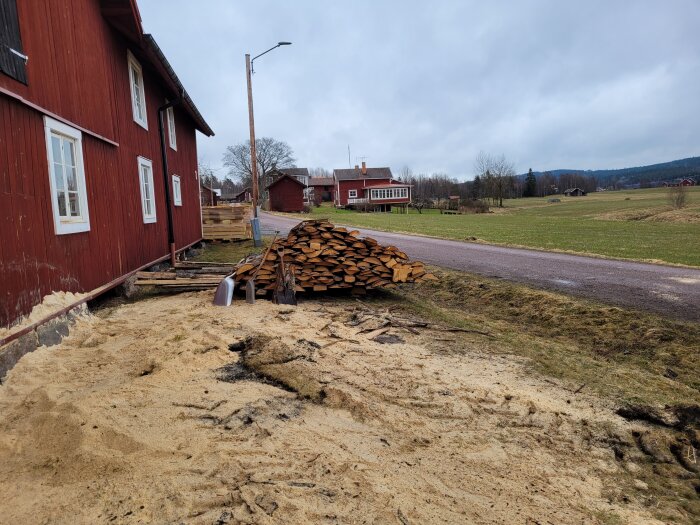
(550, 84)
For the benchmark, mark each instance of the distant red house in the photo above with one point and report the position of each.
(323, 189)
(687, 181)
(369, 186)
(208, 196)
(84, 198)
(244, 196)
(286, 194)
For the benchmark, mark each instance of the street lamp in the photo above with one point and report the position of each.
(257, 240)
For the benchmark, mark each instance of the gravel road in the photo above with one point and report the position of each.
(666, 290)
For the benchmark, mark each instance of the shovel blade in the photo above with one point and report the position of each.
(224, 292)
(250, 292)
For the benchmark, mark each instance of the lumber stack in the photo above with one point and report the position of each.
(186, 276)
(227, 222)
(324, 257)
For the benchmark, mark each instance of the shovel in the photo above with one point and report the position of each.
(250, 285)
(224, 292)
(284, 290)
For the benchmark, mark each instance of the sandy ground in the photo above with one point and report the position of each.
(127, 421)
(49, 305)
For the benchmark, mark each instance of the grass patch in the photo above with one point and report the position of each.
(634, 224)
(230, 252)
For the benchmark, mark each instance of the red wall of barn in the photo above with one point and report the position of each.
(320, 190)
(286, 195)
(78, 70)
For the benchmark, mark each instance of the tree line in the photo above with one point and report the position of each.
(495, 178)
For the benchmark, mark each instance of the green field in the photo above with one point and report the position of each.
(633, 224)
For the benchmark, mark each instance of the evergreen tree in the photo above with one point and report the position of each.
(476, 188)
(530, 185)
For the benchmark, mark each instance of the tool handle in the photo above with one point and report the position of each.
(267, 252)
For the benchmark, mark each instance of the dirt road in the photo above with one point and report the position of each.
(143, 415)
(666, 290)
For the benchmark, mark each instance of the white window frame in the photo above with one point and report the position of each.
(172, 133)
(142, 162)
(389, 194)
(67, 225)
(134, 64)
(352, 194)
(177, 191)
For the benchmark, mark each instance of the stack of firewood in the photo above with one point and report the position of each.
(325, 257)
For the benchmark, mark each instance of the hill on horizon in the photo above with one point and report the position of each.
(689, 167)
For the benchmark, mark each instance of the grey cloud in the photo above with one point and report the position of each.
(549, 84)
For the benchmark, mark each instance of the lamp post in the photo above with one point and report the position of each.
(257, 240)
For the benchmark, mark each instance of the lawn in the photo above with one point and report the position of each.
(633, 224)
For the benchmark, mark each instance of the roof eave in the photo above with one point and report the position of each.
(168, 74)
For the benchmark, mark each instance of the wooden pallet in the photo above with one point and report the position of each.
(186, 276)
(227, 223)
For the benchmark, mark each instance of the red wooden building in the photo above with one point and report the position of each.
(208, 195)
(323, 189)
(372, 187)
(286, 194)
(82, 189)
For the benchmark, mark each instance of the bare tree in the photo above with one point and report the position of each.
(271, 154)
(229, 187)
(678, 196)
(206, 175)
(320, 172)
(497, 174)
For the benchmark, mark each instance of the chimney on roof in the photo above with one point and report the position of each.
(357, 167)
(364, 168)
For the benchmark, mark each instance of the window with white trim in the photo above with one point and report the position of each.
(172, 138)
(64, 147)
(148, 200)
(138, 94)
(352, 194)
(389, 193)
(177, 192)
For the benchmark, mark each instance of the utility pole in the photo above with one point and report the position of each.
(257, 241)
(251, 124)
(255, 223)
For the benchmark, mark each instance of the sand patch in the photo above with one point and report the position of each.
(49, 305)
(308, 421)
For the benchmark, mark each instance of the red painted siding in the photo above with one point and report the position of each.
(77, 69)
(319, 192)
(286, 195)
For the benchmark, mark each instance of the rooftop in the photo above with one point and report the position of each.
(321, 181)
(294, 172)
(372, 173)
